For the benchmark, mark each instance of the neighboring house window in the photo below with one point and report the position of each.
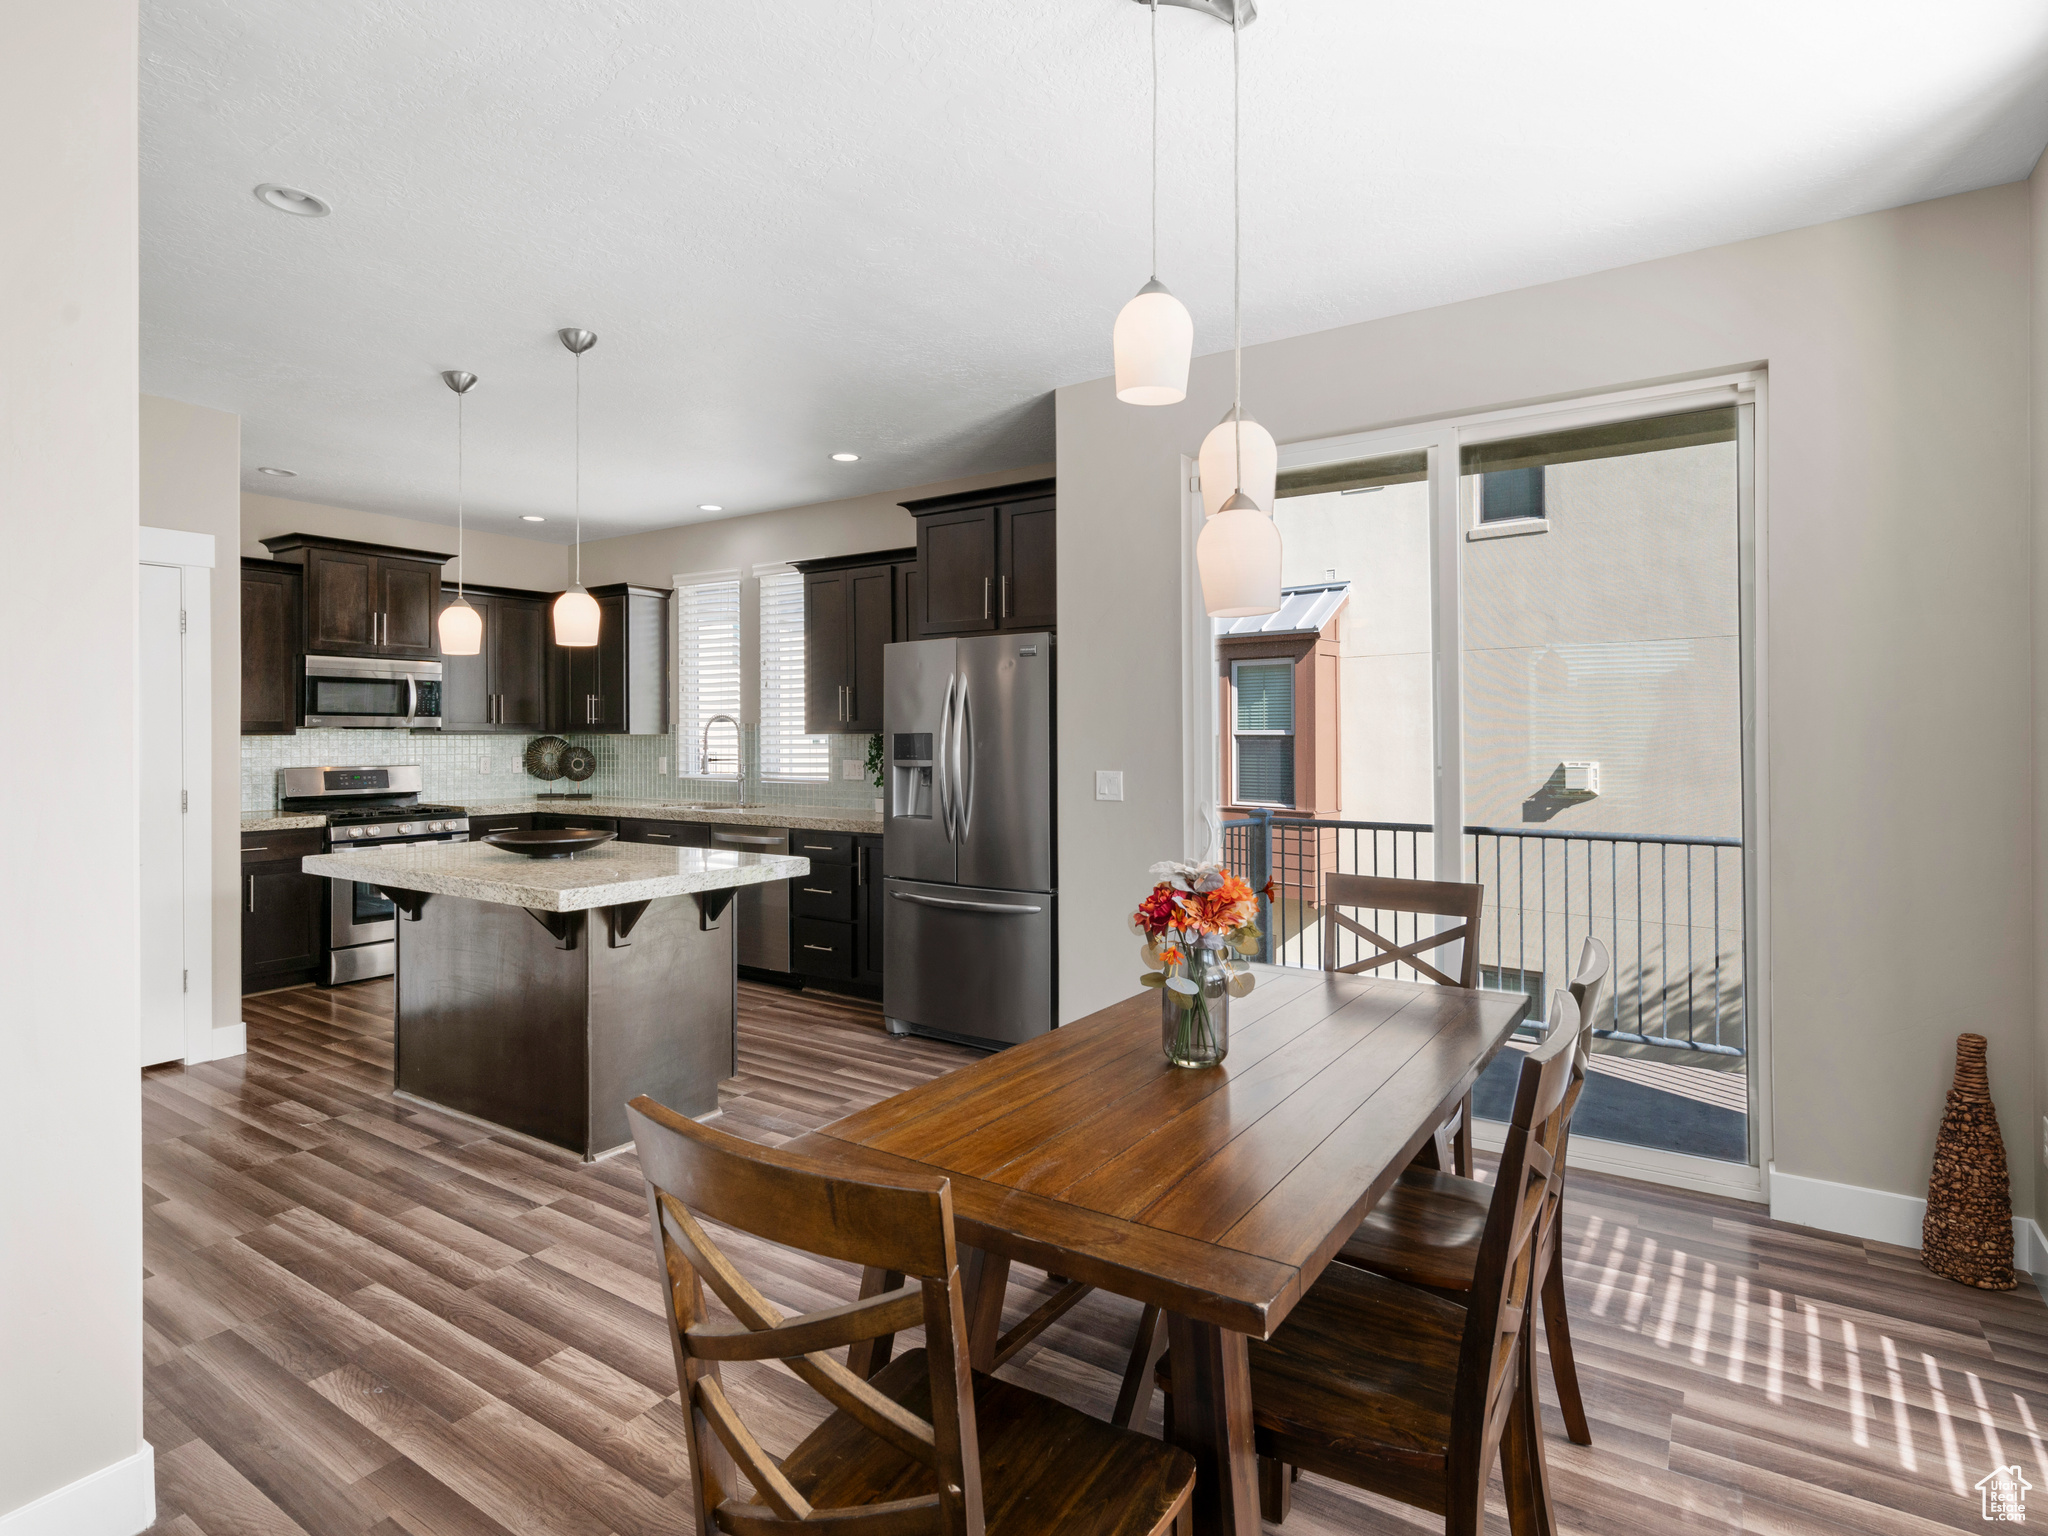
(708, 672)
(786, 752)
(1263, 728)
(1507, 495)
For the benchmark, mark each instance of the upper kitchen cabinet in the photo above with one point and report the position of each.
(365, 599)
(850, 614)
(618, 687)
(271, 629)
(504, 687)
(985, 560)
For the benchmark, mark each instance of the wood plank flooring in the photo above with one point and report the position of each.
(364, 1318)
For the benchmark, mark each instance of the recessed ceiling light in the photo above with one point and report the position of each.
(292, 200)
(282, 474)
(528, 517)
(710, 507)
(847, 458)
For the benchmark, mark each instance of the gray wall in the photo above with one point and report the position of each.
(1899, 676)
(2037, 188)
(70, 1105)
(191, 468)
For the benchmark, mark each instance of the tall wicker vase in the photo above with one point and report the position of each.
(1967, 1235)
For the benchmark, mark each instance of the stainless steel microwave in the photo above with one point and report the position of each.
(370, 691)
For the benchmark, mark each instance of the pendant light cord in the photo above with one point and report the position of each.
(1236, 250)
(458, 499)
(1155, 140)
(579, 469)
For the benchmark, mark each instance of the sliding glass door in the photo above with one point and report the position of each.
(1519, 650)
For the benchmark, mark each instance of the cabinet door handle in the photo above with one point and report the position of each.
(254, 847)
(657, 837)
(252, 893)
(860, 860)
(827, 948)
(812, 890)
(986, 583)
(1006, 597)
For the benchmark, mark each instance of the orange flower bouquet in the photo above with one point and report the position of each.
(1199, 924)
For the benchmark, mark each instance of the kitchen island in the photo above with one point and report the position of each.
(539, 995)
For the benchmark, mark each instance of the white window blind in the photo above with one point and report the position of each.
(708, 653)
(1265, 732)
(786, 752)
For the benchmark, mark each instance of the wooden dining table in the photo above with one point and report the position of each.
(1215, 1194)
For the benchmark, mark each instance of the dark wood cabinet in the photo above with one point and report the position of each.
(835, 910)
(546, 821)
(504, 687)
(365, 599)
(271, 627)
(985, 561)
(499, 822)
(618, 687)
(284, 910)
(867, 910)
(909, 603)
(850, 613)
(659, 834)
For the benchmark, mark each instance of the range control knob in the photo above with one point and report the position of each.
(373, 832)
(355, 831)
(435, 826)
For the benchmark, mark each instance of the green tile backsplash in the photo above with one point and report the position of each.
(459, 769)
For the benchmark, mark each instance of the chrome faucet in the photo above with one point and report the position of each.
(704, 748)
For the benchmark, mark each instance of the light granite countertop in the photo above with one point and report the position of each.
(798, 818)
(605, 876)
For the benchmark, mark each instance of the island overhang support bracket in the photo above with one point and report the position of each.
(625, 918)
(711, 907)
(411, 903)
(561, 926)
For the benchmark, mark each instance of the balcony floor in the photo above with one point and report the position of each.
(1643, 1101)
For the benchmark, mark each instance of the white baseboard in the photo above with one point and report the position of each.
(229, 1040)
(119, 1500)
(1884, 1217)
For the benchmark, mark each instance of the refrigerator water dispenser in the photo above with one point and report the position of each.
(910, 776)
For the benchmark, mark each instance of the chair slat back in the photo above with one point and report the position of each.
(1588, 989)
(1379, 893)
(799, 1202)
(1498, 1311)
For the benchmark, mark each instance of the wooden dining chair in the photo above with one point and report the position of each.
(1428, 1229)
(1390, 1388)
(1451, 1147)
(926, 1445)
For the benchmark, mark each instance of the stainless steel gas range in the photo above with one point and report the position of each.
(366, 807)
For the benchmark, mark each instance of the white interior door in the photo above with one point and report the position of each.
(161, 678)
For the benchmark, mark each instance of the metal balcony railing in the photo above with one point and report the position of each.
(1669, 908)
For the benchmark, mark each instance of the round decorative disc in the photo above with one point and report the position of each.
(544, 756)
(578, 763)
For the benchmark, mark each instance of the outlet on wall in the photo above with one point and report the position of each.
(483, 764)
(852, 768)
(661, 766)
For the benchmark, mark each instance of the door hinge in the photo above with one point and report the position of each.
(181, 621)
(186, 984)
(185, 801)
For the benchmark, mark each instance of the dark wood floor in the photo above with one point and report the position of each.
(363, 1318)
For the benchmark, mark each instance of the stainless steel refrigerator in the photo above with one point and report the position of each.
(967, 829)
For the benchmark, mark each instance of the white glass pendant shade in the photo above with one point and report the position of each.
(462, 629)
(1238, 553)
(1261, 478)
(576, 618)
(1153, 340)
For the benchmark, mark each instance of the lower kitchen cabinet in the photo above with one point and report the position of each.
(284, 910)
(502, 822)
(663, 834)
(835, 910)
(548, 821)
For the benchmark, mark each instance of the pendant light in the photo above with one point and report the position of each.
(1238, 551)
(1154, 336)
(462, 627)
(576, 613)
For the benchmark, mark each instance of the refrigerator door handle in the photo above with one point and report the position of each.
(939, 760)
(964, 906)
(963, 761)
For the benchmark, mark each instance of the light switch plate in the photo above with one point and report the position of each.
(1109, 783)
(661, 766)
(483, 765)
(852, 768)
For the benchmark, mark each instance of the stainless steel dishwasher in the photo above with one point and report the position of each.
(763, 910)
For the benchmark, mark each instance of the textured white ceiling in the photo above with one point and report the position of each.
(892, 226)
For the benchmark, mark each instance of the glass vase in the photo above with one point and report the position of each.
(1194, 1011)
